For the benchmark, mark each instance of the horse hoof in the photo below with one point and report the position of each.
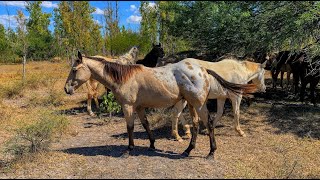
(185, 154)
(125, 154)
(151, 148)
(210, 157)
(243, 135)
(92, 114)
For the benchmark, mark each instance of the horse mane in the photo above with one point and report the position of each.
(118, 72)
(236, 88)
(129, 56)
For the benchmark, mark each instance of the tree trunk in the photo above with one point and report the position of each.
(24, 68)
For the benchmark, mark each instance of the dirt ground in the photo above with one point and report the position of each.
(283, 141)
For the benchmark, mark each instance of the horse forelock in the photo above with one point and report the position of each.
(118, 72)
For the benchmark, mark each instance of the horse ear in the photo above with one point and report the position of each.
(263, 65)
(80, 56)
(160, 44)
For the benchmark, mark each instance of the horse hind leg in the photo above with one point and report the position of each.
(195, 129)
(236, 100)
(209, 124)
(177, 115)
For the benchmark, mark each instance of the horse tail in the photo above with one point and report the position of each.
(236, 88)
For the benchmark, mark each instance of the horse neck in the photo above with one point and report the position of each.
(250, 74)
(98, 73)
(150, 59)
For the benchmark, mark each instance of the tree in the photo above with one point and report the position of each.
(149, 22)
(74, 25)
(111, 15)
(39, 36)
(22, 42)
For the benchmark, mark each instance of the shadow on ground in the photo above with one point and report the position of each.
(117, 151)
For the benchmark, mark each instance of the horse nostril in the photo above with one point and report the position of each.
(66, 90)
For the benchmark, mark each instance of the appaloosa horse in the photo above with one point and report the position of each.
(234, 71)
(137, 87)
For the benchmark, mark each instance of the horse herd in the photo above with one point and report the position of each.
(148, 83)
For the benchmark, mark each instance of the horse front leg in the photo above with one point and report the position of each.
(145, 124)
(89, 100)
(236, 101)
(128, 114)
(177, 114)
(281, 79)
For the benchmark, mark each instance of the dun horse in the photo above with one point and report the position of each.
(92, 85)
(137, 87)
(234, 71)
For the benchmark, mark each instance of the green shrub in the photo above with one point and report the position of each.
(109, 104)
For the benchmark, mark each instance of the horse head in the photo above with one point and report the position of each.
(157, 50)
(78, 75)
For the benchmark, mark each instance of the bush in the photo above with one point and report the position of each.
(109, 104)
(37, 137)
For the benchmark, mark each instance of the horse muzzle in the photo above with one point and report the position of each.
(69, 90)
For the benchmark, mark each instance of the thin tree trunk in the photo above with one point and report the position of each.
(24, 68)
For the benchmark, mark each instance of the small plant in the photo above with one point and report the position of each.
(109, 104)
(37, 137)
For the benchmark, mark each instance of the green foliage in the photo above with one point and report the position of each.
(37, 136)
(39, 37)
(109, 104)
(245, 27)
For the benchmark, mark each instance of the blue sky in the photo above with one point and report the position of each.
(128, 12)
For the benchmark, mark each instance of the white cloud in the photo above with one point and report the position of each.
(98, 11)
(21, 4)
(134, 19)
(48, 4)
(133, 7)
(4, 19)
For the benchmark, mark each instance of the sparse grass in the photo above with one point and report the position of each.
(36, 136)
(12, 91)
(53, 98)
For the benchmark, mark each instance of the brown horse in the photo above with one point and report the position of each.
(137, 87)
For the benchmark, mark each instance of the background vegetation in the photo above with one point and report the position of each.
(220, 27)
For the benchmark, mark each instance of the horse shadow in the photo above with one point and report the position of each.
(117, 151)
(162, 132)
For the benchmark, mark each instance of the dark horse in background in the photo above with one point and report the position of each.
(151, 59)
(301, 66)
(306, 71)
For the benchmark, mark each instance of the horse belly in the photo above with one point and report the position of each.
(159, 90)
